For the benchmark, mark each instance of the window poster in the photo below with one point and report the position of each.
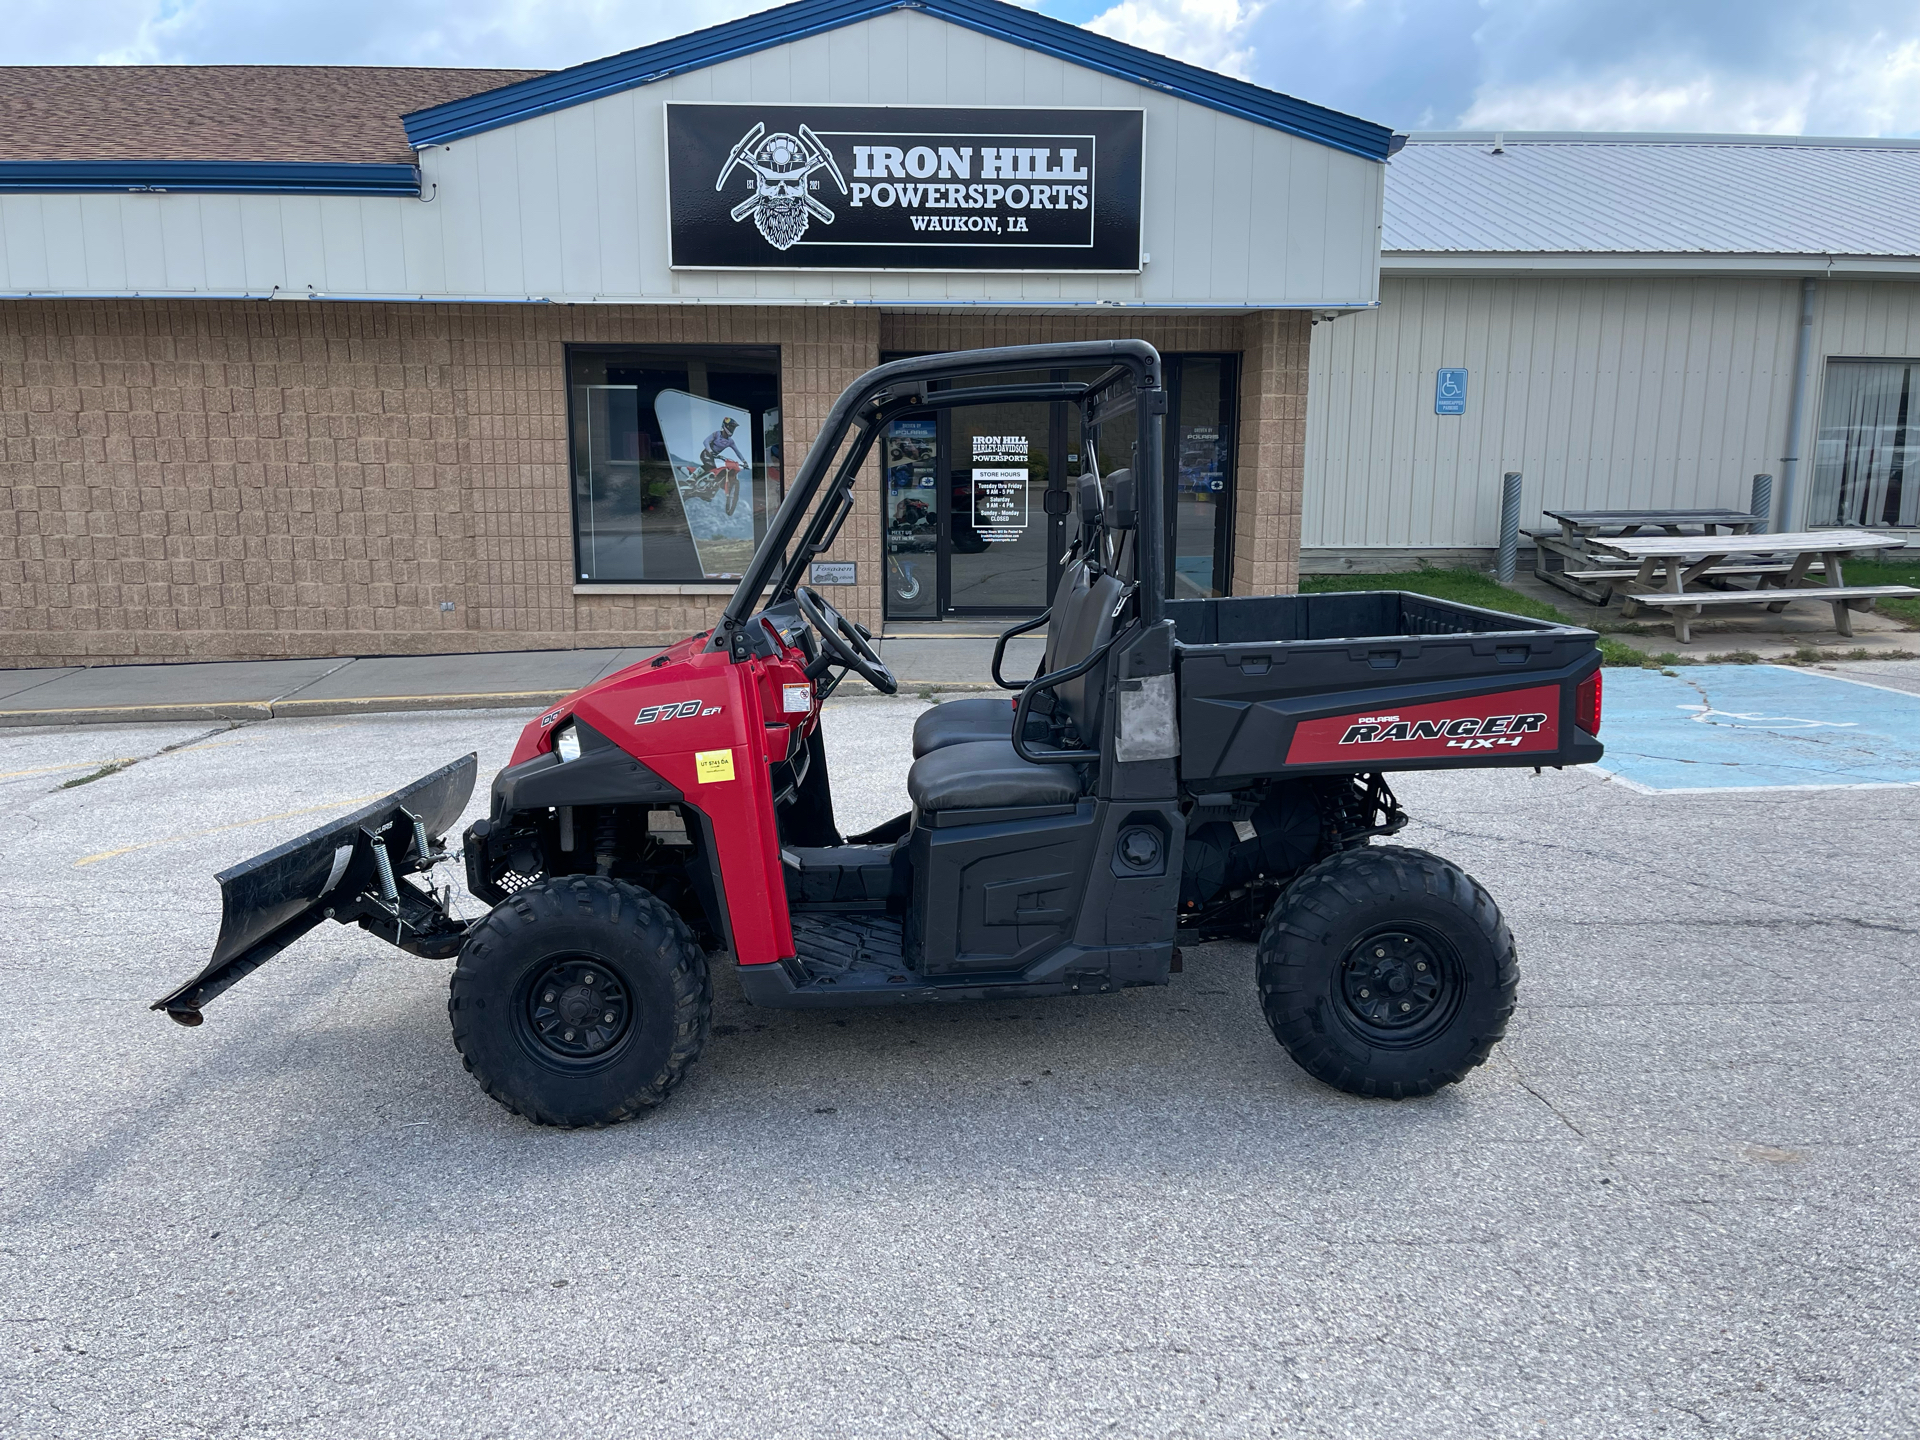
(913, 521)
(1202, 460)
(1000, 471)
(708, 444)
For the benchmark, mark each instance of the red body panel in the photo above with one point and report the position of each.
(709, 728)
(1514, 721)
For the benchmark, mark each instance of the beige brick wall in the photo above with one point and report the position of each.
(1273, 453)
(230, 479)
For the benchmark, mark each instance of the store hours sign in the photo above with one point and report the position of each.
(902, 187)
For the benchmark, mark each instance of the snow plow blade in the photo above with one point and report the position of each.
(352, 870)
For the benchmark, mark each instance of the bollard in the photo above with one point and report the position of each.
(1762, 505)
(1509, 527)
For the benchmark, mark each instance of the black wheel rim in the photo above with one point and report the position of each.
(575, 1009)
(1399, 985)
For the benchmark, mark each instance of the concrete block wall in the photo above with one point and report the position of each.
(201, 480)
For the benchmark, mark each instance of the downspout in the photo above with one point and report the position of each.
(1797, 408)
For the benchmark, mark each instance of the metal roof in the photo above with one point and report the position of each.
(1670, 195)
(781, 26)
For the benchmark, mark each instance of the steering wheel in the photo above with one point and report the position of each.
(843, 643)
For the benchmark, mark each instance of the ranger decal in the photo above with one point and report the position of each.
(1512, 721)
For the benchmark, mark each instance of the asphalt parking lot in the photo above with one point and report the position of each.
(1679, 1201)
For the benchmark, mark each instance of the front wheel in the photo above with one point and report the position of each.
(580, 1001)
(1387, 971)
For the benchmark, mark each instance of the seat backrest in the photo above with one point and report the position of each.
(1082, 622)
(1074, 578)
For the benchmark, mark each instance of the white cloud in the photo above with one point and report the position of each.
(1700, 103)
(1208, 33)
(533, 34)
(1870, 88)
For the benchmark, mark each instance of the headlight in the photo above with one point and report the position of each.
(566, 742)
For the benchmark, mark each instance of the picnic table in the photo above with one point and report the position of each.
(1685, 575)
(1591, 575)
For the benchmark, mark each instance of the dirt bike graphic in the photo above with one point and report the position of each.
(907, 586)
(712, 477)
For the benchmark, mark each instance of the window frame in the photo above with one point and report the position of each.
(652, 350)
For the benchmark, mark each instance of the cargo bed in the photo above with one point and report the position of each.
(1376, 680)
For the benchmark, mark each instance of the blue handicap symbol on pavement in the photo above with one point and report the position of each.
(1748, 727)
(1450, 391)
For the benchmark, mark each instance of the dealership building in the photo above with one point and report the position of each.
(303, 361)
(319, 360)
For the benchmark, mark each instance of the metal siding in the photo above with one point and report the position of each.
(203, 244)
(344, 247)
(556, 206)
(102, 247)
(302, 240)
(23, 243)
(143, 244)
(383, 242)
(1604, 393)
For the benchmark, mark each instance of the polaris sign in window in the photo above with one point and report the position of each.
(902, 187)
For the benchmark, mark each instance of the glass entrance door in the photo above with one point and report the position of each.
(967, 528)
(999, 536)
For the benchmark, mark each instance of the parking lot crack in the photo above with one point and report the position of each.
(1558, 1113)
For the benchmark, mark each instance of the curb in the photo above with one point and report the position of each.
(279, 709)
(392, 705)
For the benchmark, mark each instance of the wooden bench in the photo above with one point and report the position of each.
(1780, 569)
(1776, 598)
(1607, 580)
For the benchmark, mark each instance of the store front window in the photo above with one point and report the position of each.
(1200, 436)
(676, 460)
(1866, 458)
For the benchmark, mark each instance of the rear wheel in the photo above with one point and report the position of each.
(580, 1001)
(1387, 971)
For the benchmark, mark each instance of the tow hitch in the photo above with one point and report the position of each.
(353, 871)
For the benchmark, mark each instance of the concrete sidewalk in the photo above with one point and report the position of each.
(344, 685)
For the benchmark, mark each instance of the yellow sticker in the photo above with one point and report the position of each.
(711, 765)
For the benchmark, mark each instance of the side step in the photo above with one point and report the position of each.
(858, 952)
(843, 960)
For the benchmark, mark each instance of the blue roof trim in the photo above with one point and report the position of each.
(207, 177)
(547, 93)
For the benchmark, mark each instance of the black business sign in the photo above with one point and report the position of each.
(902, 187)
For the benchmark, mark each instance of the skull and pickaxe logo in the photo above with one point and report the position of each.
(782, 167)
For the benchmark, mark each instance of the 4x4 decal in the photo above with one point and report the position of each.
(676, 710)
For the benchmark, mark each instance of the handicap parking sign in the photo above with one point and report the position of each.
(1450, 392)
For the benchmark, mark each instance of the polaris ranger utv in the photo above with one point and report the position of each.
(1215, 767)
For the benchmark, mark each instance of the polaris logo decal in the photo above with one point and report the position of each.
(676, 710)
(1514, 721)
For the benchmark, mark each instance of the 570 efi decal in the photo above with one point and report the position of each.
(1512, 721)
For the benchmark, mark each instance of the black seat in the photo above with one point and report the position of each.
(961, 722)
(987, 775)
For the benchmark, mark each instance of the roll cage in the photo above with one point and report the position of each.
(1130, 380)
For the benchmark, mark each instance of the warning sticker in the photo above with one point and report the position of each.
(712, 765)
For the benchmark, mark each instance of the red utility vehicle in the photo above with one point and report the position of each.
(1209, 766)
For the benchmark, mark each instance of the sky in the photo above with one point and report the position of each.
(1813, 67)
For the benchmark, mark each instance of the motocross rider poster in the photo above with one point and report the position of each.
(903, 187)
(708, 445)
